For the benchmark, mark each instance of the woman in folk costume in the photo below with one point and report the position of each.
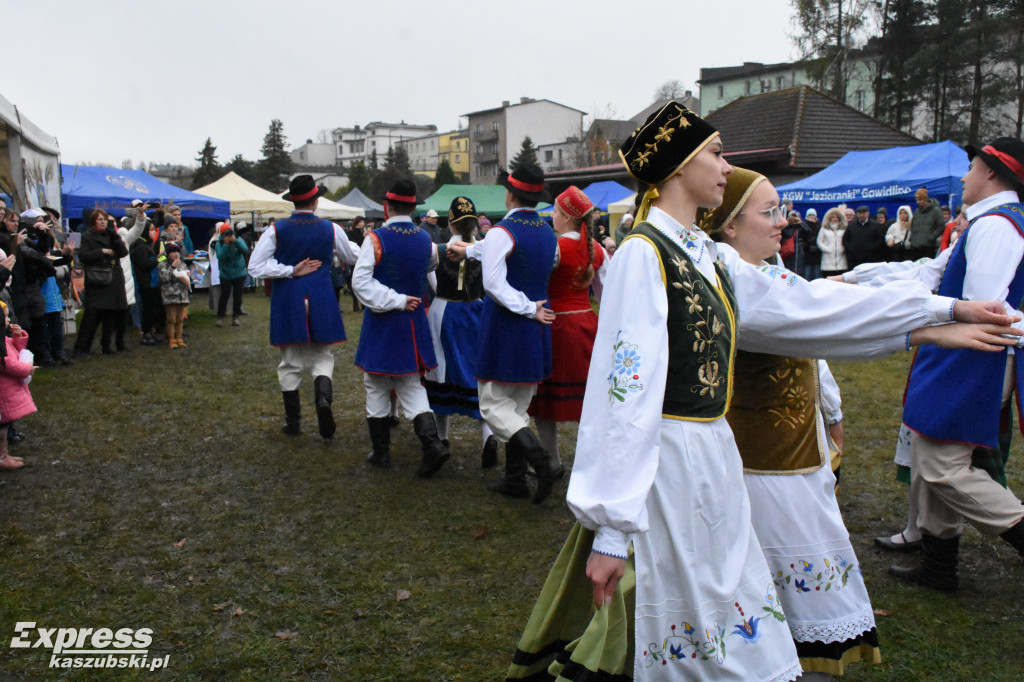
(664, 546)
(559, 398)
(454, 320)
(777, 420)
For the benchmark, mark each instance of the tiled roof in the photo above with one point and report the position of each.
(816, 128)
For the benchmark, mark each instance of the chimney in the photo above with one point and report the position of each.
(525, 100)
(504, 103)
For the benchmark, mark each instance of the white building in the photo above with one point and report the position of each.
(423, 153)
(314, 154)
(359, 143)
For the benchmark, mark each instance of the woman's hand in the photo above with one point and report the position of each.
(304, 267)
(835, 432)
(412, 303)
(986, 337)
(8, 262)
(604, 572)
(457, 251)
(544, 315)
(982, 312)
(107, 252)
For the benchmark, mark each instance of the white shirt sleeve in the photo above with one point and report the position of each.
(368, 290)
(619, 437)
(928, 271)
(994, 251)
(262, 262)
(344, 250)
(784, 314)
(831, 402)
(496, 248)
(130, 236)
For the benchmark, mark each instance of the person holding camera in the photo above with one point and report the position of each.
(231, 254)
(106, 300)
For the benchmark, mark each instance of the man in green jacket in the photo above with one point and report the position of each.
(927, 227)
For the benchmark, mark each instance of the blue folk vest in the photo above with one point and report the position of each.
(515, 349)
(291, 321)
(955, 395)
(397, 342)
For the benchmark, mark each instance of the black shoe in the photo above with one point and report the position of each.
(1015, 536)
(904, 546)
(937, 570)
(435, 452)
(66, 361)
(323, 394)
(489, 456)
(292, 412)
(14, 436)
(78, 352)
(380, 437)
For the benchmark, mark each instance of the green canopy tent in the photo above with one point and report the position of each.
(489, 199)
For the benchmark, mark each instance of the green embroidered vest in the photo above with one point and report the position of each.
(701, 332)
(774, 414)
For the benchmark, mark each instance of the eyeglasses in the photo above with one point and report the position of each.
(773, 213)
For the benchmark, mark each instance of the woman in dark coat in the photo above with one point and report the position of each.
(101, 251)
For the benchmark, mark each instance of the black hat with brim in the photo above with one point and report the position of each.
(1005, 156)
(303, 188)
(402, 192)
(527, 183)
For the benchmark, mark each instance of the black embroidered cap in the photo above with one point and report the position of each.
(462, 207)
(666, 141)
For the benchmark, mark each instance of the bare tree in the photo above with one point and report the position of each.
(324, 136)
(670, 90)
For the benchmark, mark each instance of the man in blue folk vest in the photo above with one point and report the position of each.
(304, 316)
(395, 347)
(954, 397)
(515, 334)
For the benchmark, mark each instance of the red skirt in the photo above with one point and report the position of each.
(559, 398)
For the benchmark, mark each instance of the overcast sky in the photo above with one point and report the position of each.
(151, 80)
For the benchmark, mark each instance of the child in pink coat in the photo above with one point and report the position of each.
(15, 398)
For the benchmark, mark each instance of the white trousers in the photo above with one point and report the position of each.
(316, 357)
(412, 396)
(503, 406)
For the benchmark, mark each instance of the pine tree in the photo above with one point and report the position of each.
(358, 178)
(396, 167)
(276, 165)
(242, 167)
(209, 170)
(824, 32)
(527, 154)
(445, 175)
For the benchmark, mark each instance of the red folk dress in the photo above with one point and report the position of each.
(560, 397)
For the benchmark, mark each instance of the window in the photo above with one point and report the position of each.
(479, 127)
(494, 147)
(766, 85)
(860, 100)
(746, 88)
(479, 149)
(458, 158)
(494, 125)
(721, 91)
(548, 155)
(780, 82)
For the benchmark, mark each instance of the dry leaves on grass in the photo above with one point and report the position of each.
(181, 542)
(220, 607)
(285, 634)
(238, 611)
(481, 533)
(402, 595)
(882, 612)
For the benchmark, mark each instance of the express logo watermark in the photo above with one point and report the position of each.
(90, 648)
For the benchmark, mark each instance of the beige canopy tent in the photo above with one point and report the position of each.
(249, 199)
(618, 209)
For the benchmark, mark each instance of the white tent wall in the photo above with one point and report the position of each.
(618, 209)
(29, 161)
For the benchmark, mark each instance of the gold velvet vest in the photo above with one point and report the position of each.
(773, 414)
(701, 332)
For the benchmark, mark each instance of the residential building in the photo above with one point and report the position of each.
(359, 143)
(423, 153)
(496, 135)
(454, 146)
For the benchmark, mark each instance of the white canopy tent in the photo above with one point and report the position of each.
(618, 209)
(249, 199)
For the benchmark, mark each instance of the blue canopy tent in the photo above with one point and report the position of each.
(883, 177)
(601, 194)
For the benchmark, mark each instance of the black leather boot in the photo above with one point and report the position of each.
(528, 445)
(489, 455)
(324, 396)
(292, 412)
(1015, 536)
(513, 484)
(380, 437)
(435, 452)
(937, 569)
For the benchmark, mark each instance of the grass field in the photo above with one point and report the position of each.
(161, 494)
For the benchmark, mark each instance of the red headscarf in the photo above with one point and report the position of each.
(576, 204)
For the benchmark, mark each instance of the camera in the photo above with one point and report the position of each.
(230, 232)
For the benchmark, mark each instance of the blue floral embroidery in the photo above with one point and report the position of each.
(803, 578)
(779, 272)
(686, 645)
(625, 375)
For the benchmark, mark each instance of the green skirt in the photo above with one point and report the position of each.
(567, 637)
